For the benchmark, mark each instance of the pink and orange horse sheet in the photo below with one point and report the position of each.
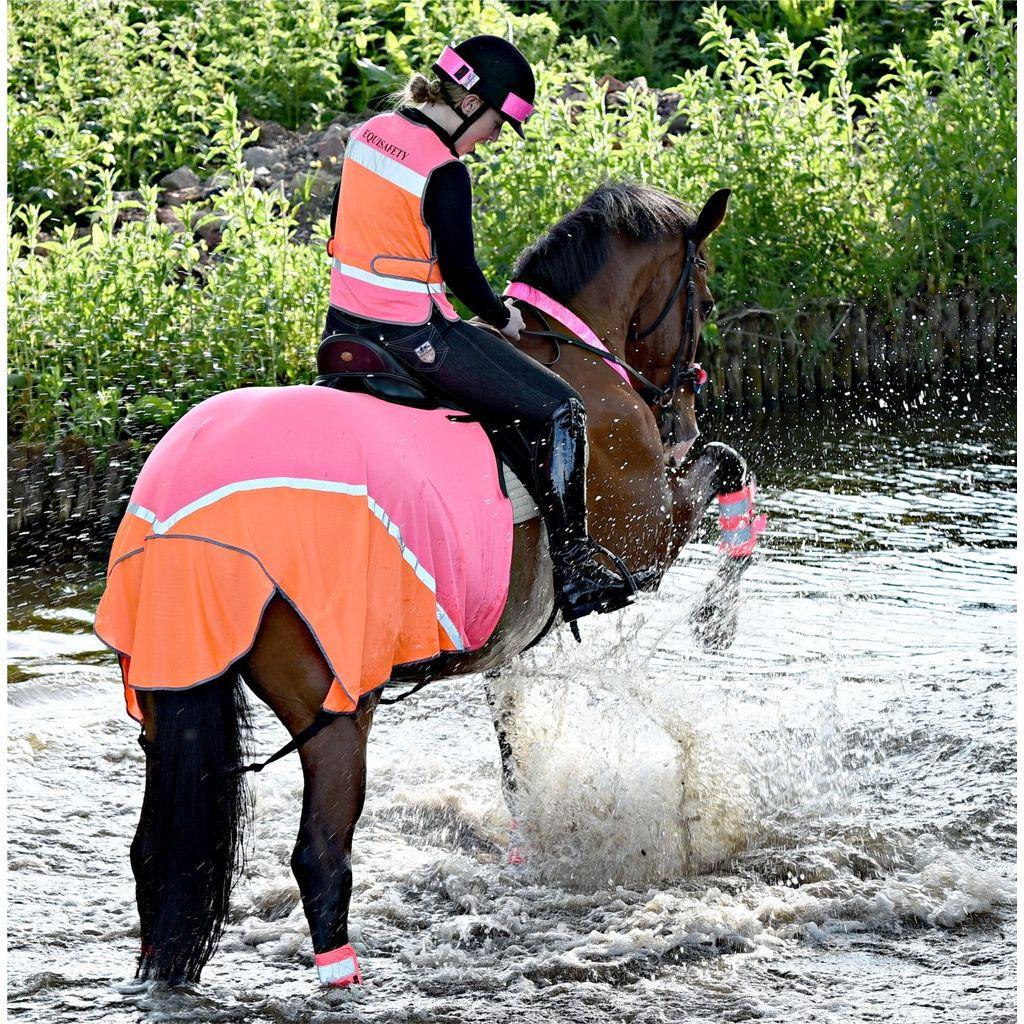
(385, 527)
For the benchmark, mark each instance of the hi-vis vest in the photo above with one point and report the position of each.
(384, 267)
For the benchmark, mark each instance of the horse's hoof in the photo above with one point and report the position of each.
(714, 627)
(732, 468)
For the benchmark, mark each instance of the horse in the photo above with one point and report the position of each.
(630, 254)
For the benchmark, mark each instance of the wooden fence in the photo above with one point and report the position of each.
(839, 347)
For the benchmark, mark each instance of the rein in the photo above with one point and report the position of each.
(684, 369)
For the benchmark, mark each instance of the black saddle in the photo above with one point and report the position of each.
(351, 362)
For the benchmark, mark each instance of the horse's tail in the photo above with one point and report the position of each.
(188, 847)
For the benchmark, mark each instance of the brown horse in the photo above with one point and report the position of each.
(617, 263)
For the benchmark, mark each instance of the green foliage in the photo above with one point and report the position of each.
(119, 329)
(833, 194)
(129, 84)
(386, 41)
(802, 213)
(943, 138)
(838, 190)
(658, 40)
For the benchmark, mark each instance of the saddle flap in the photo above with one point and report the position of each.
(350, 362)
(351, 353)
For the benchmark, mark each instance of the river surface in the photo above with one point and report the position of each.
(818, 825)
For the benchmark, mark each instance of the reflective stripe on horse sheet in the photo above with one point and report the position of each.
(385, 527)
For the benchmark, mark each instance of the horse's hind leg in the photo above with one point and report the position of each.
(334, 772)
(142, 852)
(286, 670)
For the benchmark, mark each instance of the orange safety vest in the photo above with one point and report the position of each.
(384, 266)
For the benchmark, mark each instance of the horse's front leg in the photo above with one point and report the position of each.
(719, 472)
(502, 705)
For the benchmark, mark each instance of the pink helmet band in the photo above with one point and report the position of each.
(459, 69)
(516, 107)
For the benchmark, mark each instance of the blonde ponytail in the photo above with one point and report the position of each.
(421, 89)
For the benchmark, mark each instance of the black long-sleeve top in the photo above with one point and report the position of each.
(448, 211)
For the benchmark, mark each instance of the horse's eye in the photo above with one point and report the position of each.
(705, 308)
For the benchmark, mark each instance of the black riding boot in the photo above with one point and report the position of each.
(582, 585)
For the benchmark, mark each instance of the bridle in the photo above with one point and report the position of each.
(684, 369)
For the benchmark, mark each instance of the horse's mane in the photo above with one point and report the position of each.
(564, 260)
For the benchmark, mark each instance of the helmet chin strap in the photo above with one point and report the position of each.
(467, 119)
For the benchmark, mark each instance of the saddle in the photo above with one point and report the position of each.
(350, 362)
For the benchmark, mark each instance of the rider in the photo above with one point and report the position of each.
(403, 232)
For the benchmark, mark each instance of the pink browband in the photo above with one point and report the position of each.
(464, 74)
(518, 290)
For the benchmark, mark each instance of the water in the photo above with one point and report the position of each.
(817, 826)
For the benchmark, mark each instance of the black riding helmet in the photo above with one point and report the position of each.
(493, 69)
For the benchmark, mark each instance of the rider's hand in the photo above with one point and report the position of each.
(515, 322)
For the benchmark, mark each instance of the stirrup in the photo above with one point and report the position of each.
(592, 547)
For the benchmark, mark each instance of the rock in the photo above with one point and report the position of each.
(129, 208)
(180, 196)
(262, 178)
(260, 156)
(332, 144)
(668, 104)
(274, 136)
(212, 231)
(350, 121)
(614, 84)
(129, 215)
(217, 183)
(168, 216)
(279, 168)
(183, 177)
(639, 84)
(321, 184)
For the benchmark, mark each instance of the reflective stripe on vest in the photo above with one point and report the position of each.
(384, 267)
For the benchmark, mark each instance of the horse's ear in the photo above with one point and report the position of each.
(712, 215)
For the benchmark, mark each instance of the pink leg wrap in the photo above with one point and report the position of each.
(740, 526)
(517, 852)
(339, 968)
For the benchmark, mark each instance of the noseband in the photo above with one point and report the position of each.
(684, 369)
